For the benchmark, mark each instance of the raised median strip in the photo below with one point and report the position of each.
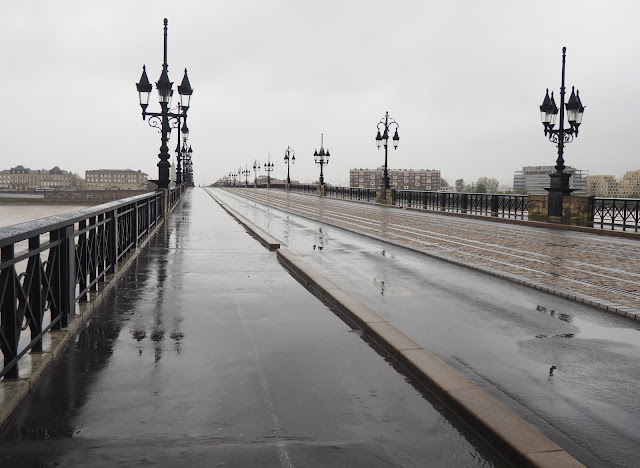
(520, 443)
(265, 239)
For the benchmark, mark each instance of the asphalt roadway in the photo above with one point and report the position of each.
(208, 353)
(501, 336)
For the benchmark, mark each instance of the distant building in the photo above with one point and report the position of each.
(115, 179)
(630, 184)
(405, 179)
(610, 187)
(533, 180)
(603, 186)
(23, 179)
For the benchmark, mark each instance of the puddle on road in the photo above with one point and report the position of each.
(591, 331)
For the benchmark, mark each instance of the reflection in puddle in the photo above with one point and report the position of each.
(562, 335)
(591, 331)
(552, 313)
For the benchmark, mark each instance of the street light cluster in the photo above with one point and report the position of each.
(559, 184)
(165, 120)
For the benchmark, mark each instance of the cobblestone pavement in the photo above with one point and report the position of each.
(591, 266)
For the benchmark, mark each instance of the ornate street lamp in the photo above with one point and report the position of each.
(268, 166)
(256, 168)
(383, 139)
(289, 157)
(246, 173)
(165, 119)
(321, 157)
(559, 185)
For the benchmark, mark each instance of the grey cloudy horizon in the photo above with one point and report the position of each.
(464, 80)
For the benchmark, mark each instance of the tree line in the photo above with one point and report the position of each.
(482, 185)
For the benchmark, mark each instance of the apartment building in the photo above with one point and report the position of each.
(405, 179)
(533, 180)
(610, 187)
(23, 179)
(115, 179)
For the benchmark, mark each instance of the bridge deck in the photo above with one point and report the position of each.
(207, 352)
(593, 268)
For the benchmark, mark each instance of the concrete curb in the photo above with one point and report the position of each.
(516, 440)
(264, 238)
(13, 391)
(601, 304)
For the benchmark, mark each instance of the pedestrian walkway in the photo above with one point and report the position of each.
(590, 268)
(206, 352)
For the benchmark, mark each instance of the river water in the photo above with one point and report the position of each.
(15, 214)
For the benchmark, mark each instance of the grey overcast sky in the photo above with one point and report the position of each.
(464, 80)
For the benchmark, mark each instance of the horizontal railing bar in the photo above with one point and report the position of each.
(17, 232)
(29, 253)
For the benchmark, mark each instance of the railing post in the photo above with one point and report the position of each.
(134, 224)
(67, 276)
(443, 201)
(34, 278)
(495, 205)
(8, 312)
(464, 202)
(113, 242)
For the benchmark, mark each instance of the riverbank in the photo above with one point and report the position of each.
(80, 197)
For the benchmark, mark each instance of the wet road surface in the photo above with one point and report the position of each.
(607, 268)
(501, 336)
(207, 353)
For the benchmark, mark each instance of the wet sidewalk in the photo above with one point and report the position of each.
(207, 353)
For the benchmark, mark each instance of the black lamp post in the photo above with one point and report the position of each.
(165, 119)
(289, 157)
(268, 166)
(383, 139)
(321, 157)
(559, 185)
(256, 168)
(246, 173)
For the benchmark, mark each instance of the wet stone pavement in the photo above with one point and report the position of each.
(207, 353)
(605, 268)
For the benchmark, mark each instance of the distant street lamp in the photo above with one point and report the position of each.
(321, 158)
(383, 139)
(289, 157)
(268, 166)
(246, 173)
(165, 119)
(187, 168)
(256, 168)
(559, 185)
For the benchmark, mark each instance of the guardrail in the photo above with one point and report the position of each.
(616, 212)
(307, 188)
(506, 206)
(50, 265)
(351, 193)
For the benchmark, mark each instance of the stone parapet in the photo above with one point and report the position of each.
(576, 210)
(386, 196)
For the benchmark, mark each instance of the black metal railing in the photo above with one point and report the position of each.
(174, 195)
(351, 193)
(50, 265)
(506, 206)
(278, 186)
(617, 213)
(305, 188)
